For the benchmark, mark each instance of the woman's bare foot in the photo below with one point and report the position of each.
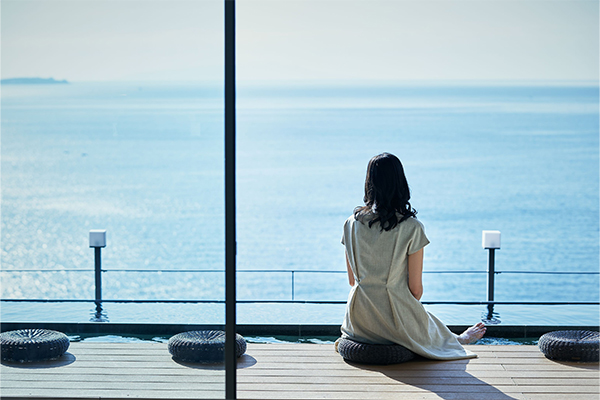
(472, 334)
(336, 344)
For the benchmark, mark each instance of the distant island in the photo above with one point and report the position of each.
(32, 81)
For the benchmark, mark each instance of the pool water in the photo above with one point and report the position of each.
(277, 314)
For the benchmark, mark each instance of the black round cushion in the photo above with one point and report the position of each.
(203, 346)
(27, 345)
(570, 345)
(380, 354)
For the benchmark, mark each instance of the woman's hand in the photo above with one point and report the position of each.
(415, 274)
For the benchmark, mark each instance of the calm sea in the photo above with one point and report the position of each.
(145, 162)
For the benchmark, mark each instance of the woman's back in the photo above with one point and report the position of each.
(380, 257)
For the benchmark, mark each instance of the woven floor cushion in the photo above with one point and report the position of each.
(203, 346)
(570, 345)
(27, 345)
(378, 354)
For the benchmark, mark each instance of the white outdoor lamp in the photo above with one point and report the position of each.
(491, 239)
(98, 241)
(491, 242)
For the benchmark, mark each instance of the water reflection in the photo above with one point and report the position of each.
(489, 317)
(98, 314)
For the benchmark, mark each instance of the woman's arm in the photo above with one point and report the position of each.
(415, 274)
(350, 273)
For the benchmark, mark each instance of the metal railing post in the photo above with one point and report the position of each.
(491, 242)
(491, 275)
(98, 273)
(98, 241)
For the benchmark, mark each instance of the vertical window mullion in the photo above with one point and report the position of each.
(230, 234)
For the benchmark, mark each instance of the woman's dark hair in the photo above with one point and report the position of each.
(386, 192)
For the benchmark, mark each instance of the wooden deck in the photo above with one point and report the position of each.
(296, 371)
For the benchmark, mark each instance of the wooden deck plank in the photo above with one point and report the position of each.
(287, 347)
(296, 372)
(265, 395)
(289, 375)
(253, 372)
(558, 381)
(302, 359)
(304, 363)
(78, 393)
(398, 387)
(83, 365)
(559, 396)
(300, 380)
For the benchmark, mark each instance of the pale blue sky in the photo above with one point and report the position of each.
(90, 40)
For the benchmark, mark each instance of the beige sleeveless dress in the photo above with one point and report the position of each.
(381, 309)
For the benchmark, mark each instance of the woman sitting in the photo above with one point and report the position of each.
(384, 254)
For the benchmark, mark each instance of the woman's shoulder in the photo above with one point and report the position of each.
(351, 220)
(413, 222)
(362, 217)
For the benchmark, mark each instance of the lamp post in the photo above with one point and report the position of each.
(491, 242)
(98, 241)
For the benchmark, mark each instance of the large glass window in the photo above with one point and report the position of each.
(491, 106)
(112, 119)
